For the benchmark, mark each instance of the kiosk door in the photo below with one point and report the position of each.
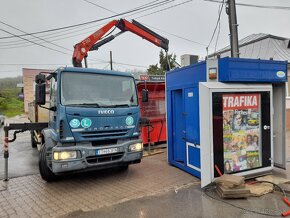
(178, 126)
(239, 122)
(241, 131)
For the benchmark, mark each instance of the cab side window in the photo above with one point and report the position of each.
(53, 93)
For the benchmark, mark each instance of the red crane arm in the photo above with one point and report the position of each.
(143, 32)
(81, 49)
(91, 43)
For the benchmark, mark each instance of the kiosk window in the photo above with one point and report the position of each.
(240, 143)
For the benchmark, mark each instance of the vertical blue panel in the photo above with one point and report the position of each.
(178, 126)
(192, 115)
(169, 125)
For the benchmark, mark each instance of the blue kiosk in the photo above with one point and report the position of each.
(227, 113)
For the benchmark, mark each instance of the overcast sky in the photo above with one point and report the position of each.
(187, 24)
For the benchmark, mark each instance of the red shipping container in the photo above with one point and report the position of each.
(153, 111)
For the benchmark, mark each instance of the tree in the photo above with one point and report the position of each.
(154, 70)
(163, 64)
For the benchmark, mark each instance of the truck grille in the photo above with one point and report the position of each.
(104, 142)
(104, 158)
(61, 129)
(105, 133)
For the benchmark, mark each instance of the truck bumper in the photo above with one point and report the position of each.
(93, 158)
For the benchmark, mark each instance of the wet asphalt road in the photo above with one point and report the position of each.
(23, 159)
(190, 202)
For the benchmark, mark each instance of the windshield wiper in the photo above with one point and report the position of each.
(85, 105)
(116, 105)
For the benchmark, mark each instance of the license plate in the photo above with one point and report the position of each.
(106, 151)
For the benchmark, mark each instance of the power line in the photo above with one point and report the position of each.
(14, 44)
(148, 3)
(56, 37)
(219, 28)
(131, 65)
(106, 66)
(34, 36)
(49, 35)
(99, 6)
(34, 42)
(177, 36)
(164, 9)
(93, 21)
(155, 28)
(40, 39)
(152, 8)
(120, 63)
(217, 23)
(8, 44)
(256, 6)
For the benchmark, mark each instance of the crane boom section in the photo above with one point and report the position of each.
(92, 42)
(81, 49)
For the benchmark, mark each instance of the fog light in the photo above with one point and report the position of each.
(64, 155)
(136, 147)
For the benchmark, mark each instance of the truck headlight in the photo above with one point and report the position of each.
(136, 147)
(64, 155)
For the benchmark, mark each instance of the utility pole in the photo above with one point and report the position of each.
(231, 11)
(111, 60)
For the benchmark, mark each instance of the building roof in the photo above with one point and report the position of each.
(263, 46)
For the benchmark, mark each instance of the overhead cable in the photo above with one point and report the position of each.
(14, 44)
(256, 6)
(34, 42)
(164, 9)
(34, 36)
(177, 36)
(217, 23)
(93, 21)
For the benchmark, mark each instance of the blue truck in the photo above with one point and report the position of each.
(93, 122)
(94, 115)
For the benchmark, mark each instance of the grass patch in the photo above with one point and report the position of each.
(10, 105)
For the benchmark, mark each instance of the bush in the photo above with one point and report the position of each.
(10, 105)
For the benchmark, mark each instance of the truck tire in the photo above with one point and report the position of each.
(124, 168)
(44, 170)
(33, 142)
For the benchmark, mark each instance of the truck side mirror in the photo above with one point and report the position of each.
(40, 94)
(40, 89)
(40, 78)
(144, 95)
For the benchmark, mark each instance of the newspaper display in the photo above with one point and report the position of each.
(241, 132)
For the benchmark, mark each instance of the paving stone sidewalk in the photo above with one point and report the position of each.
(30, 196)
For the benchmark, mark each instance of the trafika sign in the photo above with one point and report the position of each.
(144, 77)
(240, 101)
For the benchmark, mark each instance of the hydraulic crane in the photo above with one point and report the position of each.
(92, 42)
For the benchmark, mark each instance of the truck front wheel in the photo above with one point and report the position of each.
(33, 142)
(44, 170)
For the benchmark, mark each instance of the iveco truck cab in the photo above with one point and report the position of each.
(93, 121)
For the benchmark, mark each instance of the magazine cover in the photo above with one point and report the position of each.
(241, 132)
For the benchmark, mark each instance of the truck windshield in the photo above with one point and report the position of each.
(97, 90)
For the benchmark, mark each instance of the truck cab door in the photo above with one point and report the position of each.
(53, 102)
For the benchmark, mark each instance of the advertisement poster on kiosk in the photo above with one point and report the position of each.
(241, 131)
